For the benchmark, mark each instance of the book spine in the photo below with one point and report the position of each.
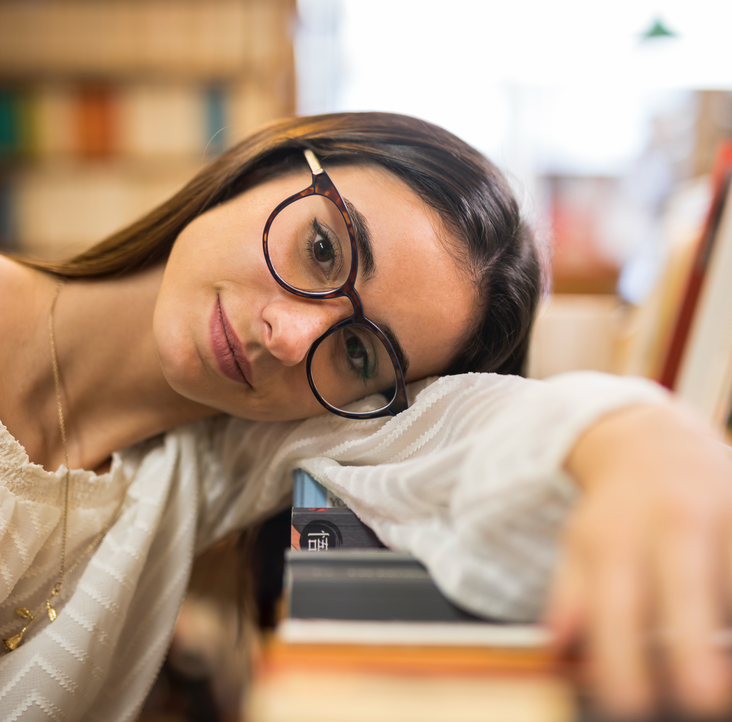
(687, 308)
(307, 492)
(705, 373)
(326, 529)
(377, 585)
(96, 122)
(15, 109)
(215, 120)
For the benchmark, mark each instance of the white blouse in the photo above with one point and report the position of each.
(469, 479)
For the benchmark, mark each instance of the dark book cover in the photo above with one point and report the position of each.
(365, 585)
(329, 528)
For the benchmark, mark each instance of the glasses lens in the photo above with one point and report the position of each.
(309, 245)
(352, 363)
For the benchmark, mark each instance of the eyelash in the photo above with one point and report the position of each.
(319, 230)
(368, 364)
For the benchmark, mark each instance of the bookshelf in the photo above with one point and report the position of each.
(108, 108)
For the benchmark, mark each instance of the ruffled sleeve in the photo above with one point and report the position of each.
(31, 501)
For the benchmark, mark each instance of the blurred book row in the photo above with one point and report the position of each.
(195, 38)
(78, 162)
(40, 207)
(107, 109)
(54, 121)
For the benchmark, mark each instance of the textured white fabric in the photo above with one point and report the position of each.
(469, 479)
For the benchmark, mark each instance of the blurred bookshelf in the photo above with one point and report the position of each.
(681, 335)
(108, 108)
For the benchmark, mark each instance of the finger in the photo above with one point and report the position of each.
(566, 617)
(565, 613)
(691, 606)
(619, 665)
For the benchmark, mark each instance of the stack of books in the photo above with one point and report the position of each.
(368, 635)
(322, 522)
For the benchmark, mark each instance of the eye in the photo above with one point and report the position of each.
(358, 355)
(324, 250)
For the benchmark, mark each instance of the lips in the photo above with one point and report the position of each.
(227, 348)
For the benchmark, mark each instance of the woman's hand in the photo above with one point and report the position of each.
(645, 580)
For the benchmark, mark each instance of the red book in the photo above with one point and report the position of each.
(720, 175)
(96, 122)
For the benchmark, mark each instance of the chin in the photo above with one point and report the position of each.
(268, 409)
(180, 362)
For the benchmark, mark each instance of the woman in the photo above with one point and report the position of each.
(262, 293)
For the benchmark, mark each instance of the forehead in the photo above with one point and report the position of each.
(418, 288)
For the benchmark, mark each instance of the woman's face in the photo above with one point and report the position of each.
(230, 337)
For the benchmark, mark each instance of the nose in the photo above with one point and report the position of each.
(293, 324)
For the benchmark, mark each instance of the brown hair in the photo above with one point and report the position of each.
(472, 198)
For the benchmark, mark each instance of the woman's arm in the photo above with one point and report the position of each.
(646, 571)
(478, 478)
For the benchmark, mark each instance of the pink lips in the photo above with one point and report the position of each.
(227, 348)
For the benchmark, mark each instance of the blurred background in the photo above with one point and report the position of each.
(606, 117)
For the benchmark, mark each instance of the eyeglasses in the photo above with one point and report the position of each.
(311, 250)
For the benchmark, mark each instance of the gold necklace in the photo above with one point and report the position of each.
(13, 642)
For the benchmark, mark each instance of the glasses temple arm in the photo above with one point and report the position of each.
(313, 162)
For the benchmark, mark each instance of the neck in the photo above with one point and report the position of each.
(113, 391)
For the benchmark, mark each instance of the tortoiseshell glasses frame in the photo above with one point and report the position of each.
(322, 185)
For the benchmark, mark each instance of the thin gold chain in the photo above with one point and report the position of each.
(61, 426)
(13, 642)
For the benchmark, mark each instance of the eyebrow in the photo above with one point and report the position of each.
(367, 265)
(366, 262)
(398, 349)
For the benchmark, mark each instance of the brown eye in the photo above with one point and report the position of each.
(358, 356)
(323, 251)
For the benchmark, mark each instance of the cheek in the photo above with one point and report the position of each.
(179, 360)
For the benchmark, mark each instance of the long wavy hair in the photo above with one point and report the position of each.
(484, 232)
(477, 208)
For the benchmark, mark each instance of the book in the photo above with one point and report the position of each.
(646, 331)
(14, 114)
(365, 585)
(413, 633)
(54, 121)
(705, 367)
(698, 269)
(321, 521)
(368, 635)
(97, 126)
(305, 690)
(308, 492)
(511, 676)
(327, 529)
(163, 120)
